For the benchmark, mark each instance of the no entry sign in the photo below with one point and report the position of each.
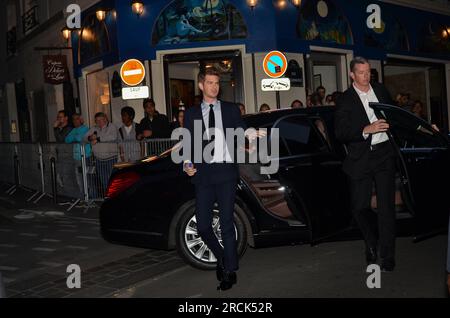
(132, 72)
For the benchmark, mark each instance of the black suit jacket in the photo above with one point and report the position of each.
(350, 120)
(213, 173)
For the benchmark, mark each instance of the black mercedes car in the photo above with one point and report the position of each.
(151, 203)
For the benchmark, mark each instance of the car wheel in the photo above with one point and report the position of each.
(193, 249)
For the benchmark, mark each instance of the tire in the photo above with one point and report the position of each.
(205, 260)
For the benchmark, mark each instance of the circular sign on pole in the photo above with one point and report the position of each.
(275, 64)
(132, 72)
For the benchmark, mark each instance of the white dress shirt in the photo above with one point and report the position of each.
(367, 97)
(221, 153)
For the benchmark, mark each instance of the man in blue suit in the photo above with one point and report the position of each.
(215, 181)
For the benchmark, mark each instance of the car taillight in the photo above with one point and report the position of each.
(120, 182)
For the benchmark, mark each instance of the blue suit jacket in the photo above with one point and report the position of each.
(214, 173)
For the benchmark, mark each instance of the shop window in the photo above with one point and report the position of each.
(98, 94)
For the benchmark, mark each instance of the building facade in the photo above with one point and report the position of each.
(409, 51)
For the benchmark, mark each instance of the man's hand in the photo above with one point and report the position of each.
(93, 139)
(188, 167)
(147, 133)
(256, 134)
(434, 127)
(377, 126)
(56, 124)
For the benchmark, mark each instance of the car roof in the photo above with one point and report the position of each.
(270, 116)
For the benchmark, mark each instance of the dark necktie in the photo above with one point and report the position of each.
(212, 121)
(212, 124)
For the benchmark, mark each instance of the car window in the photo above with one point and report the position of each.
(299, 137)
(410, 131)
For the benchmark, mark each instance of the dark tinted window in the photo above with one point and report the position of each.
(411, 131)
(299, 136)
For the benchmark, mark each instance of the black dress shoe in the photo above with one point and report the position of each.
(371, 255)
(219, 271)
(387, 265)
(228, 280)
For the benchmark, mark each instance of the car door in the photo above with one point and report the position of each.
(312, 175)
(424, 155)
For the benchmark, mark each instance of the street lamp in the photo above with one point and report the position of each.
(138, 7)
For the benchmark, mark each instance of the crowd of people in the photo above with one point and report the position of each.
(105, 143)
(320, 98)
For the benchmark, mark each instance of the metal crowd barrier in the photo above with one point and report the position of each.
(77, 171)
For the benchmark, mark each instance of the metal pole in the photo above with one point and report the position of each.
(84, 172)
(53, 173)
(278, 99)
(41, 162)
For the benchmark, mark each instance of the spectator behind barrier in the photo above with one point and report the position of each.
(61, 127)
(76, 137)
(103, 139)
(129, 148)
(154, 124)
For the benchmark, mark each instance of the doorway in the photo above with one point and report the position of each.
(180, 77)
(419, 81)
(328, 70)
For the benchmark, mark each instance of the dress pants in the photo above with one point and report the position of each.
(224, 194)
(381, 170)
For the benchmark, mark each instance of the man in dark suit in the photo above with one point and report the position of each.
(154, 125)
(215, 181)
(370, 159)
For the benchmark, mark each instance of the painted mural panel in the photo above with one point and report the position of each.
(434, 37)
(391, 36)
(198, 20)
(323, 21)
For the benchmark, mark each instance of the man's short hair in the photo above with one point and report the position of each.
(357, 60)
(128, 110)
(207, 71)
(148, 100)
(63, 112)
(100, 114)
(320, 87)
(76, 114)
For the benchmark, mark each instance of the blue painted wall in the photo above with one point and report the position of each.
(268, 29)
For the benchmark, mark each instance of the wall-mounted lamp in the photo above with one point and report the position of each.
(297, 3)
(137, 7)
(252, 3)
(101, 14)
(280, 4)
(66, 33)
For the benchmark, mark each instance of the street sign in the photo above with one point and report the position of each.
(275, 84)
(275, 64)
(137, 92)
(132, 72)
